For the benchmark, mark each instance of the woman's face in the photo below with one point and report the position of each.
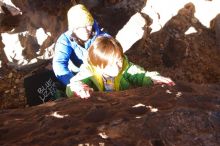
(83, 33)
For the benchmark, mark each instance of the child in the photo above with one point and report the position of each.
(108, 69)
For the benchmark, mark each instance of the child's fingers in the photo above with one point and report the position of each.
(87, 88)
(165, 80)
(172, 83)
(84, 94)
(169, 82)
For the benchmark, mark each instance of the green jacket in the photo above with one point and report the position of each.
(130, 76)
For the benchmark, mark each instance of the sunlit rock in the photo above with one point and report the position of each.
(161, 11)
(23, 49)
(11, 8)
(132, 31)
(13, 48)
(190, 30)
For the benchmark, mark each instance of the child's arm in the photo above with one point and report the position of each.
(138, 76)
(158, 79)
(80, 84)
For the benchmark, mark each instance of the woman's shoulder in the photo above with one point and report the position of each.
(65, 39)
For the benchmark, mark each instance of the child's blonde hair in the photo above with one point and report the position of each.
(103, 51)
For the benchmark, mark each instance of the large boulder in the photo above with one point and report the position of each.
(184, 115)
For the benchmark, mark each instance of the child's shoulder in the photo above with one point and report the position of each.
(135, 69)
(84, 73)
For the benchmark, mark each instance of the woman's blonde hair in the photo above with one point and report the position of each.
(103, 51)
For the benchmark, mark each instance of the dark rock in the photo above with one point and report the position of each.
(188, 121)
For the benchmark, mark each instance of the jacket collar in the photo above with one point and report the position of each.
(97, 78)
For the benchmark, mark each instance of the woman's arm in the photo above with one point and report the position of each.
(60, 62)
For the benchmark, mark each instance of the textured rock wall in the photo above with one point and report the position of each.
(30, 34)
(35, 25)
(185, 115)
(29, 30)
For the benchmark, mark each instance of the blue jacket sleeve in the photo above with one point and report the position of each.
(61, 60)
(99, 31)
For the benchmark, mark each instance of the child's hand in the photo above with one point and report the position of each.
(85, 92)
(162, 80)
(81, 90)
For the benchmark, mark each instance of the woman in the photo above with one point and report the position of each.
(71, 47)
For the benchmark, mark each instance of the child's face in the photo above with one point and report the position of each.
(113, 69)
(83, 33)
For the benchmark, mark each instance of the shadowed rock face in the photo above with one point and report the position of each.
(183, 115)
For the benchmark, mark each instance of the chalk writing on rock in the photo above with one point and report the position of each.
(46, 90)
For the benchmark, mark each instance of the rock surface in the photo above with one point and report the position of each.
(184, 115)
